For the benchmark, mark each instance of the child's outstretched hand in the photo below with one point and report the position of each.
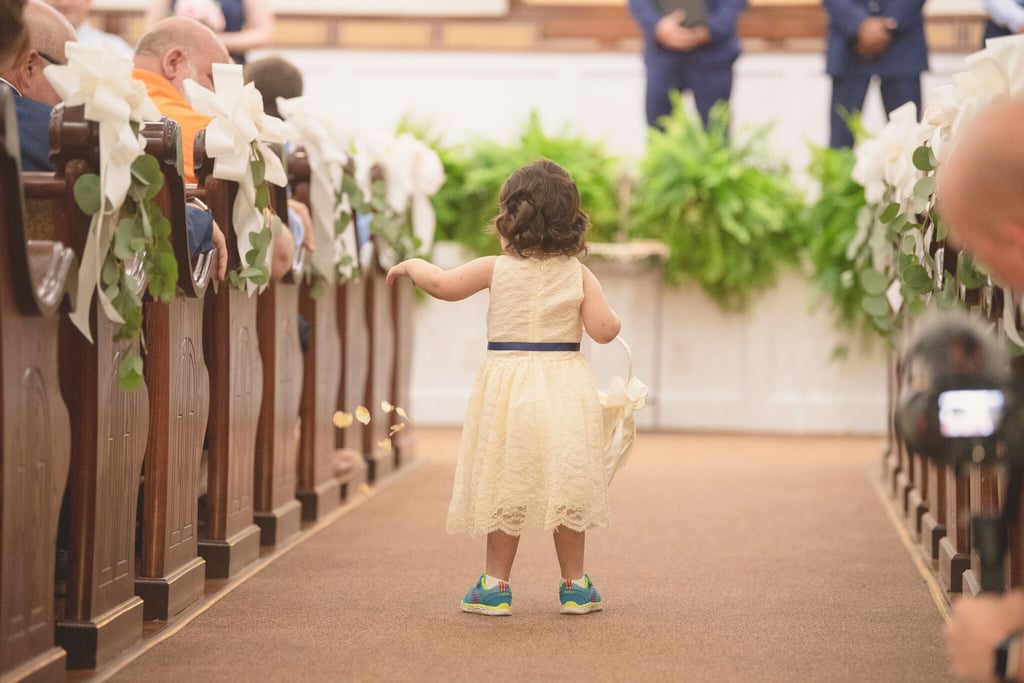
(397, 271)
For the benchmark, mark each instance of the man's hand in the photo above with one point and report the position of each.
(977, 626)
(672, 35)
(220, 253)
(874, 36)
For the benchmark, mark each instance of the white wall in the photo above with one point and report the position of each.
(767, 371)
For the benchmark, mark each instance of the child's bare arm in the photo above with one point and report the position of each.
(598, 317)
(450, 285)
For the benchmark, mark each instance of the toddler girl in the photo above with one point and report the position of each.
(532, 444)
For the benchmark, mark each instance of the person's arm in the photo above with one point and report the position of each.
(845, 16)
(257, 32)
(448, 285)
(600, 321)
(1006, 13)
(283, 254)
(722, 22)
(205, 235)
(155, 11)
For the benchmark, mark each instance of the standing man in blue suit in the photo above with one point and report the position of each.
(698, 58)
(866, 38)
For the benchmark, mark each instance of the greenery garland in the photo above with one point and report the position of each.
(254, 265)
(841, 250)
(142, 231)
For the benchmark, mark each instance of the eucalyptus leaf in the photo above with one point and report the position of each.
(873, 282)
(87, 193)
(924, 188)
(889, 213)
(876, 305)
(924, 159)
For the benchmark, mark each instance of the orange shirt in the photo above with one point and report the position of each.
(173, 105)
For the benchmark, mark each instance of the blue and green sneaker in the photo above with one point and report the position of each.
(495, 601)
(579, 598)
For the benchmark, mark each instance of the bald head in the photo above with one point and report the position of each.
(48, 32)
(981, 190)
(178, 48)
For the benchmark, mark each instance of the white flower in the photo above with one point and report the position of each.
(325, 144)
(885, 165)
(239, 127)
(102, 81)
(412, 172)
(993, 73)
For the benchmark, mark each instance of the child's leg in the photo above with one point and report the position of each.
(501, 551)
(569, 548)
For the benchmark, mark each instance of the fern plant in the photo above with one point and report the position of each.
(476, 171)
(730, 216)
(841, 250)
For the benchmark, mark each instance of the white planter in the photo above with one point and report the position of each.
(769, 370)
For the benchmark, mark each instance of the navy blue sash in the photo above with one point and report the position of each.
(532, 346)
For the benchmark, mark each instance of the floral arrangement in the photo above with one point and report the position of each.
(395, 177)
(204, 11)
(128, 246)
(332, 182)
(897, 170)
(237, 139)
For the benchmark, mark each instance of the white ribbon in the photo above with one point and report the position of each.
(324, 145)
(102, 81)
(238, 127)
(625, 396)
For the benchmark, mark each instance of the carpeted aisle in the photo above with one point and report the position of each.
(730, 559)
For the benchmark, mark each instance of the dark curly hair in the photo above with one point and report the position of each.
(539, 212)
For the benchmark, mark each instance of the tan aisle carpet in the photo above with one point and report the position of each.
(731, 558)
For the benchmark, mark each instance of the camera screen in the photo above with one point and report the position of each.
(967, 413)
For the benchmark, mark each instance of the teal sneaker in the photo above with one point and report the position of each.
(579, 598)
(495, 601)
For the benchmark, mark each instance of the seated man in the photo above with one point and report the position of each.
(171, 52)
(34, 98)
(276, 77)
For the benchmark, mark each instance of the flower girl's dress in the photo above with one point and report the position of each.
(533, 444)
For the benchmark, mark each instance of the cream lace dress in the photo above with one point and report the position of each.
(532, 445)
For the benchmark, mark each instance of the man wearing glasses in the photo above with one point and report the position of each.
(48, 31)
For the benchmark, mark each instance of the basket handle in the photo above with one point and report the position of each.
(629, 356)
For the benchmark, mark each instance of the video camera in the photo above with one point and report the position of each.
(959, 404)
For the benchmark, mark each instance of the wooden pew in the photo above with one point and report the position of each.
(355, 344)
(277, 511)
(318, 490)
(170, 574)
(102, 616)
(403, 302)
(236, 386)
(35, 433)
(380, 372)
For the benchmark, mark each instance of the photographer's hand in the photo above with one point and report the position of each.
(977, 627)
